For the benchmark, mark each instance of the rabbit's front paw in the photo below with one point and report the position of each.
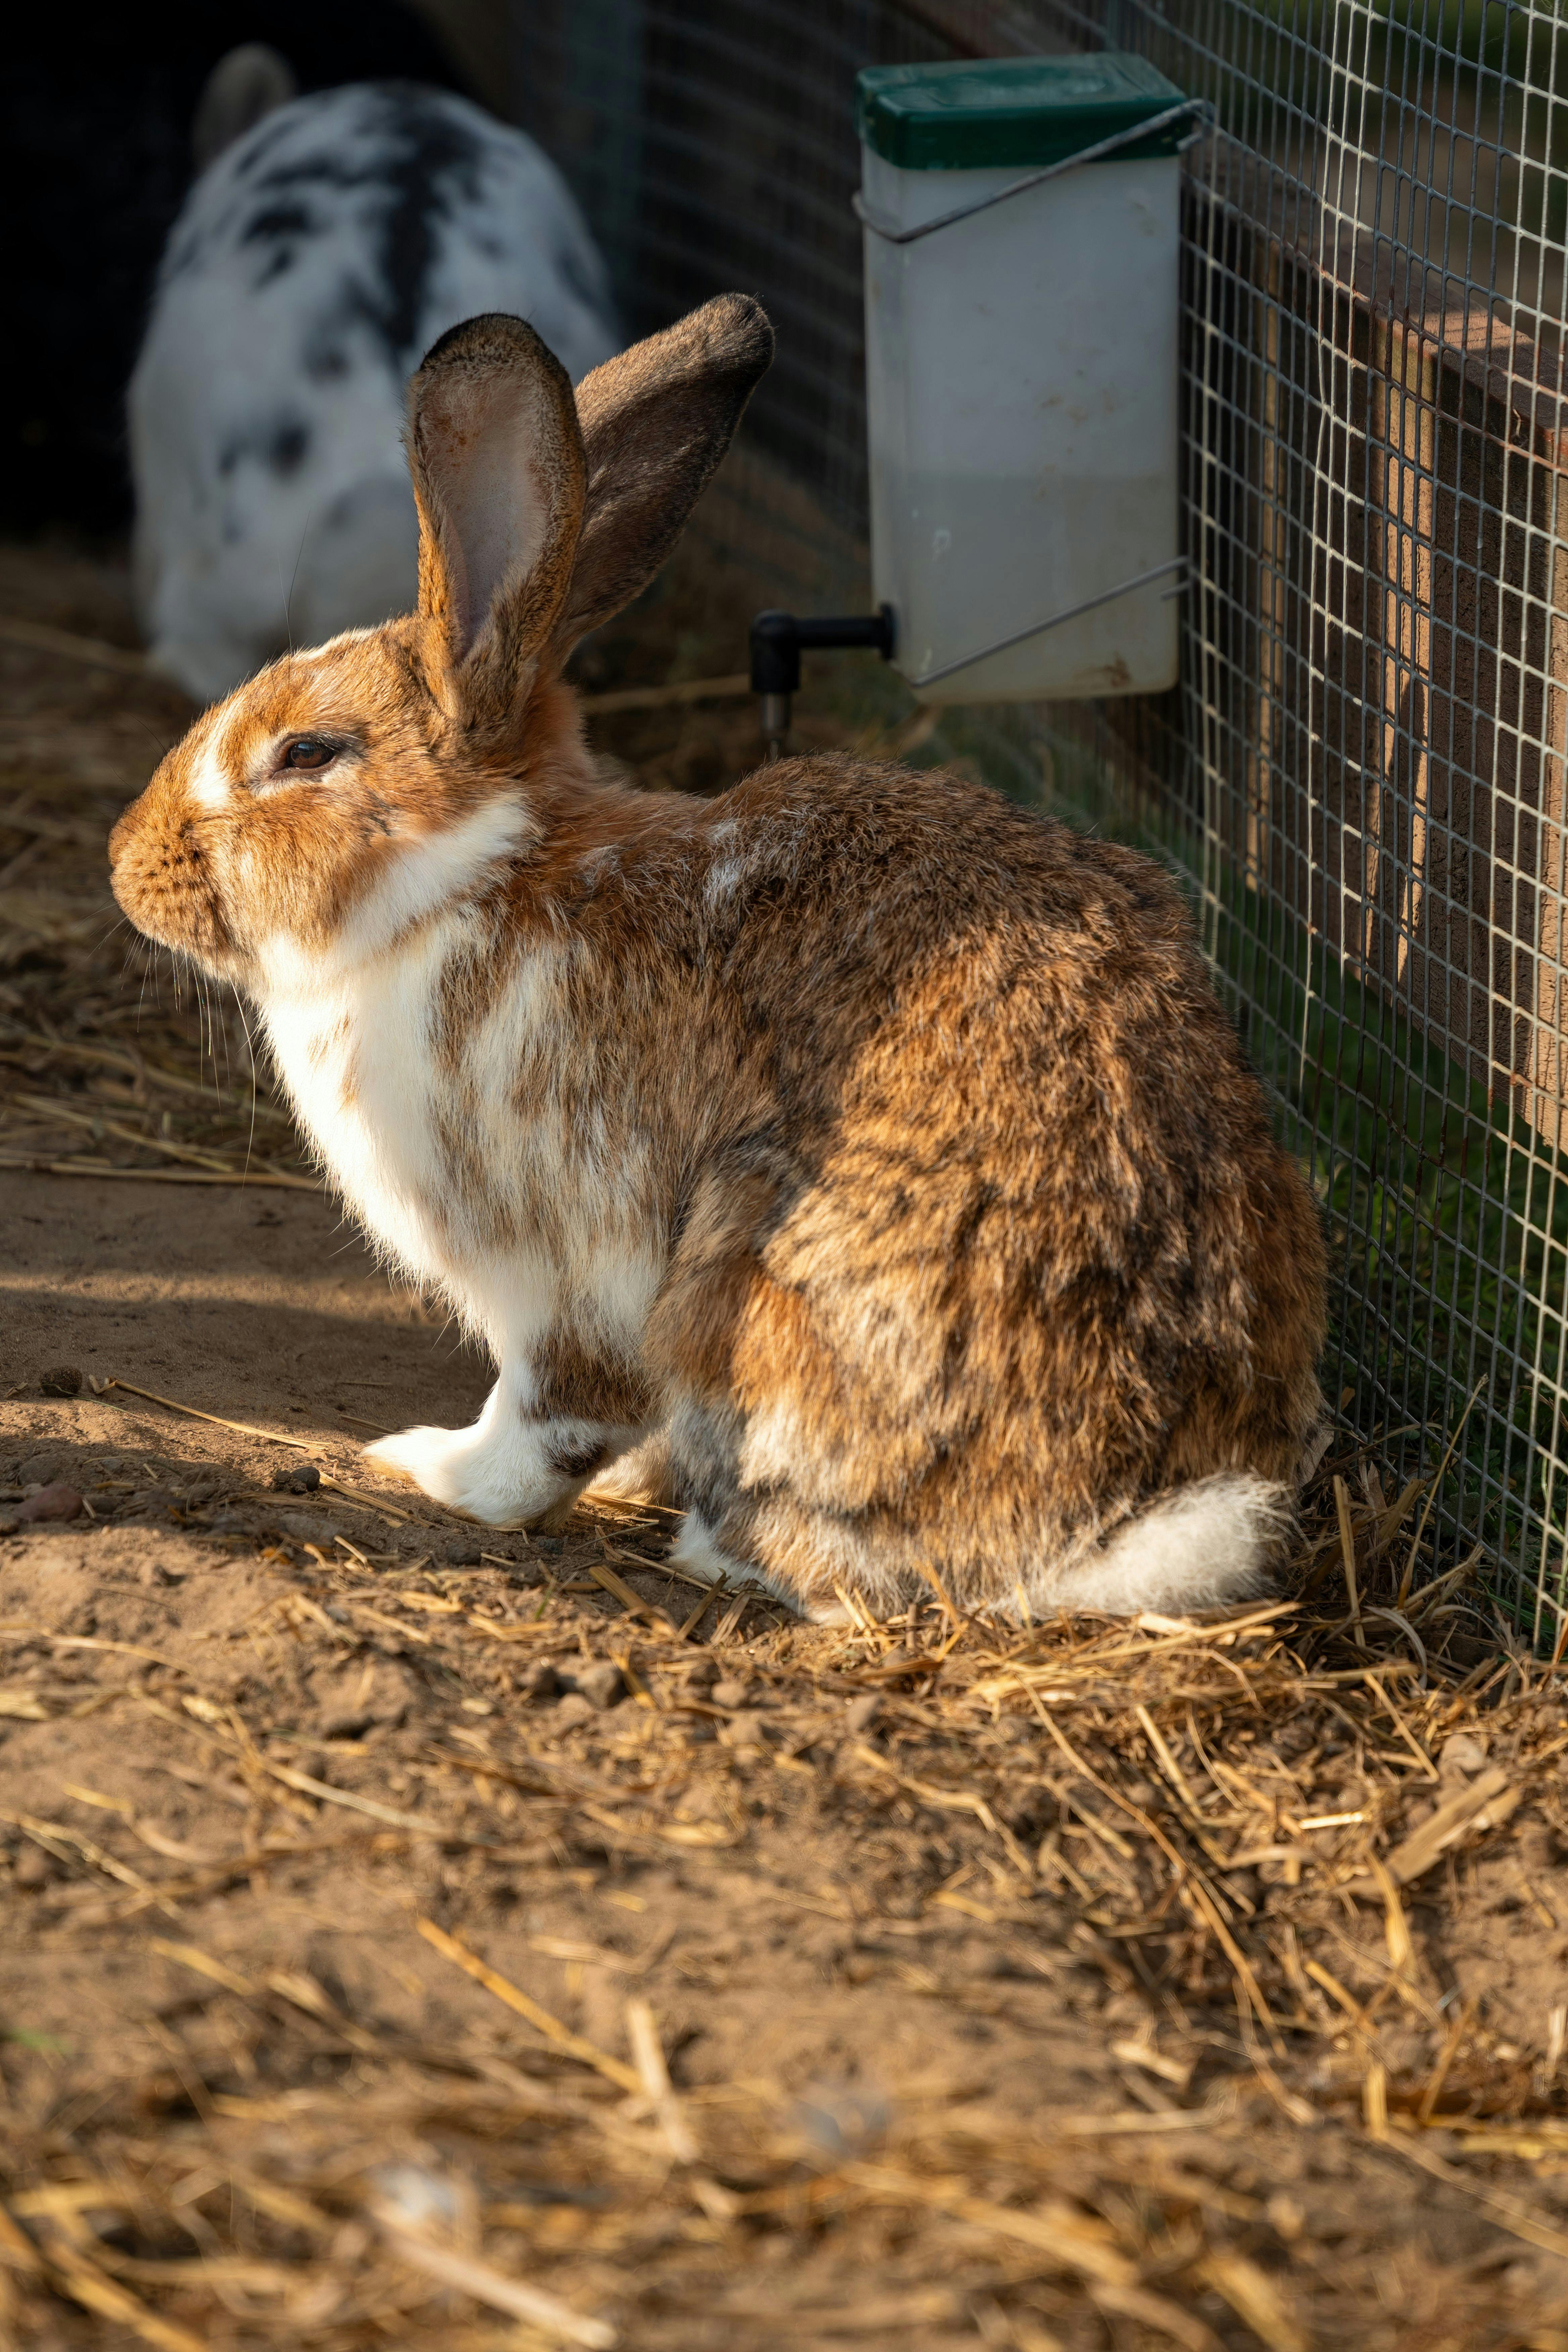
(507, 1478)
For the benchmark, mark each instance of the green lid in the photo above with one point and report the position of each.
(970, 115)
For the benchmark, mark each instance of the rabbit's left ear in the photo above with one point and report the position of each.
(496, 453)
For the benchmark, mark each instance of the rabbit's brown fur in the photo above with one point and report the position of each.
(871, 1152)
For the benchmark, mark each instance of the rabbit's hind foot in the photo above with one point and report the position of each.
(696, 1553)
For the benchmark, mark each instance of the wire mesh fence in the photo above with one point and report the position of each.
(1363, 772)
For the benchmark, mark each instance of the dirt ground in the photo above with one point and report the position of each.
(417, 1936)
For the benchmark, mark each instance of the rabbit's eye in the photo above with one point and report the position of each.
(306, 751)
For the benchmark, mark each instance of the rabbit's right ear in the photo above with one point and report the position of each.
(656, 421)
(496, 457)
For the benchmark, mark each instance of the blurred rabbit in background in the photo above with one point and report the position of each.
(327, 243)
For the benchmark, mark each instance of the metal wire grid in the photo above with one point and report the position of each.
(1362, 771)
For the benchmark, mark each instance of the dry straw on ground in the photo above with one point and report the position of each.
(1251, 1839)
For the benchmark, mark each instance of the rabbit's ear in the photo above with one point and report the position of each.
(245, 87)
(655, 422)
(496, 455)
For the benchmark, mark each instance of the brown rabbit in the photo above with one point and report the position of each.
(864, 1160)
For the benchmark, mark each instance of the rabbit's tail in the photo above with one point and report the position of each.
(1197, 1547)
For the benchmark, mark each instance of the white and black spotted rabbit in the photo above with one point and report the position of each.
(316, 258)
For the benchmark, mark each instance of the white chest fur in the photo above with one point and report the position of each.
(353, 1030)
(356, 1053)
(471, 1167)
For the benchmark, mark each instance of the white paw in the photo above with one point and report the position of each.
(504, 1477)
